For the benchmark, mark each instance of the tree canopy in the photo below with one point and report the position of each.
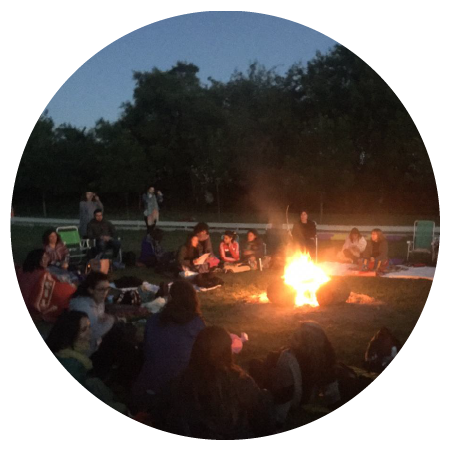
(331, 129)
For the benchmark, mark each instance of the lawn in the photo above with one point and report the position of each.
(233, 306)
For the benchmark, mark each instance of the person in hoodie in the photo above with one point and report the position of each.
(168, 339)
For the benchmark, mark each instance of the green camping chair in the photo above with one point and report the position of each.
(424, 239)
(78, 247)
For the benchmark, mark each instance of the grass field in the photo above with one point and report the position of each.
(233, 306)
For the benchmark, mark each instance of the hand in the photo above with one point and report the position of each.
(105, 238)
(196, 262)
(159, 193)
(65, 265)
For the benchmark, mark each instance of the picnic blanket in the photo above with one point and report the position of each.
(398, 271)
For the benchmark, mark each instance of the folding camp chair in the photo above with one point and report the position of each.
(78, 247)
(424, 239)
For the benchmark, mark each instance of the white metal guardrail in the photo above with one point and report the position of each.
(322, 229)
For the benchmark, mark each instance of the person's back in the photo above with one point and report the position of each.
(213, 398)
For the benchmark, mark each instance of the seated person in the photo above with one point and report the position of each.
(353, 247)
(304, 234)
(253, 249)
(110, 347)
(375, 256)
(168, 339)
(56, 250)
(201, 230)
(104, 233)
(214, 398)
(229, 249)
(69, 340)
(188, 256)
(301, 373)
(45, 296)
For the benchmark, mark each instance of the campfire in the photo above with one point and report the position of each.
(305, 277)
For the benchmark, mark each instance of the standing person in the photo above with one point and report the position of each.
(375, 256)
(151, 203)
(168, 340)
(304, 234)
(89, 203)
(104, 233)
(353, 247)
(214, 398)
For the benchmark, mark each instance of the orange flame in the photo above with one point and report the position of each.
(305, 277)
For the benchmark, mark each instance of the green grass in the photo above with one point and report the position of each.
(348, 326)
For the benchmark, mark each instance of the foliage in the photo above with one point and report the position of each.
(331, 132)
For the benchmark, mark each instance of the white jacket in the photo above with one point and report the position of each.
(356, 248)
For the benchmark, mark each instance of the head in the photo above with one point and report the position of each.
(252, 235)
(354, 235)
(50, 237)
(88, 196)
(151, 189)
(183, 304)
(192, 240)
(229, 237)
(304, 216)
(377, 236)
(201, 230)
(212, 350)
(72, 330)
(36, 259)
(315, 354)
(98, 215)
(96, 286)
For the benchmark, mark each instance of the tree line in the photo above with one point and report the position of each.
(329, 133)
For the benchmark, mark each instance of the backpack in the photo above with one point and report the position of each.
(207, 280)
(381, 350)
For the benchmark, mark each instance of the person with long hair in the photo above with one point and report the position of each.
(188, 256)
(55, 249)
(214, 398)
(375, 257)
(304, 234)
(151, 201)
(45, 296)
(69, 340)
(202, 231)
(90, 202)
(353, 247)
(168, 340)
(229, 249)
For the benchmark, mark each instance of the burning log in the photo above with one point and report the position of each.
(281, 294)
(334, 292)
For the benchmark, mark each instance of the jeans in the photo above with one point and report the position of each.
(102, 246)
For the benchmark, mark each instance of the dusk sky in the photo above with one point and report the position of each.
(217, 42)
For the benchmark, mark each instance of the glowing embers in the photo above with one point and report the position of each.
(305, 278)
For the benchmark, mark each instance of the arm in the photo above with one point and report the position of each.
(235, 251)
(90, 231)
(112, 229)
(362, 245)
(384, 250)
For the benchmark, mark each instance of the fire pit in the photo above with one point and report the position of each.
(299, 284)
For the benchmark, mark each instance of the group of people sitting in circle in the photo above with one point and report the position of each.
(182, 378)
